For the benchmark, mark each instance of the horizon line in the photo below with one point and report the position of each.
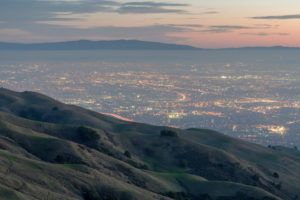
(147, 41)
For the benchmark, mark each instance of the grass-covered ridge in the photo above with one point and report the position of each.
(49, 150)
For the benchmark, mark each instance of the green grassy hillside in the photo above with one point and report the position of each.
(49, 151)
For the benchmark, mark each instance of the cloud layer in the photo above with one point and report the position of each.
(159, 20)
(151, 7)
(279, 17)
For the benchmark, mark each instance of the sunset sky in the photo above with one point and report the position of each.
(202, 23)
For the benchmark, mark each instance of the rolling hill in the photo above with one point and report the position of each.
(50, 150)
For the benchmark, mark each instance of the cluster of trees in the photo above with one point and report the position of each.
(168, 133)
(87, 134)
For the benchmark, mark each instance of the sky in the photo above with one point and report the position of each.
(201, 23)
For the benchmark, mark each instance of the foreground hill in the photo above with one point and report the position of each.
(50, 150)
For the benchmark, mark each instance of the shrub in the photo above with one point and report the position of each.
(149, 152)
(168, 133)
(127, 154)
(55, 108)
(177, 195)
(89, 194)
(65, 158)
(278, 186)
(275, 175)
(105, 193)
(87, 134)
(272, 147)
(182, 163)
(295, 147)
(255, 177)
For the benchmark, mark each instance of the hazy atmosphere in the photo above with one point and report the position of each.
(209, 24)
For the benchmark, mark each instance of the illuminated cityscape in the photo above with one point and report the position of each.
(252, 98)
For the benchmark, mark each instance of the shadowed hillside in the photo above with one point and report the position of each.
(49, 151)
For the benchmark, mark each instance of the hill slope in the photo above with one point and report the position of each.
(49, 150)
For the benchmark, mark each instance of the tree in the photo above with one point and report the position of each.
(275, 175)
(168, 133)
(87, 134)
(127, 154)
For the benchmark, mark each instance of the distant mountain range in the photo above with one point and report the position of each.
(50, 150)
(114, 45)
(96, 45)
